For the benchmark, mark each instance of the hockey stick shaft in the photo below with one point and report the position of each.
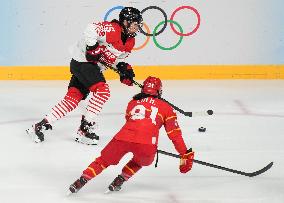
(222, 167)
(186, 113)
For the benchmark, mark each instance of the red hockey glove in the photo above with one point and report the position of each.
(127, 82)
(126, 73)
(186, 161)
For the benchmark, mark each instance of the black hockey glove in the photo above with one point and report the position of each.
(126, 73)
(91, 53)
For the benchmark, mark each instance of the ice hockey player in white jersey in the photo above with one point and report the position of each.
(103, 44)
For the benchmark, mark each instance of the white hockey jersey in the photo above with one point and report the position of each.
(110, 46)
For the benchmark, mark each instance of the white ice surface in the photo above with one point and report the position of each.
(245, 133)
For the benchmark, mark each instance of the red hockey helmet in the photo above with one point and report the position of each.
(152, 86)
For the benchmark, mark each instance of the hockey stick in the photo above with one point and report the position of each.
(252, 174)
(186, 113)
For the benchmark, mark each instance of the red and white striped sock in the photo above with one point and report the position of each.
(100, 93)
(68, 104)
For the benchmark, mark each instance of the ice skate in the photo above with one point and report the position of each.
(86, 133)
(78, 184)
(116, 184)
(37, 130)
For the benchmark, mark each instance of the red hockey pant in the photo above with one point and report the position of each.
(143, 155)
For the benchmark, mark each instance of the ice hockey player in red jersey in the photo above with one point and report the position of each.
(145, 115)
(103, 43)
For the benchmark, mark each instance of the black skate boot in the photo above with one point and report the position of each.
(86, 133)
(116, 183)
(78, 184)
(36, 132)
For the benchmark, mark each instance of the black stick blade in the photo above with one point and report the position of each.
(256, 173)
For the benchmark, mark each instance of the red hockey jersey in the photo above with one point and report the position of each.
(145, 117)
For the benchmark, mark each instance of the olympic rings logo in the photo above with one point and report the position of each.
(164, 24)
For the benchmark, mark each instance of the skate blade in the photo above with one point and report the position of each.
(109, 191)
(68, 193)
(30, 132)
(85, 141)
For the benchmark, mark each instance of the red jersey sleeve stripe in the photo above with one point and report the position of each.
(170, 117)
(161, 116)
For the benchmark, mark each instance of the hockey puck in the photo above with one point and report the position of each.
(210, 112)
(201, 129)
